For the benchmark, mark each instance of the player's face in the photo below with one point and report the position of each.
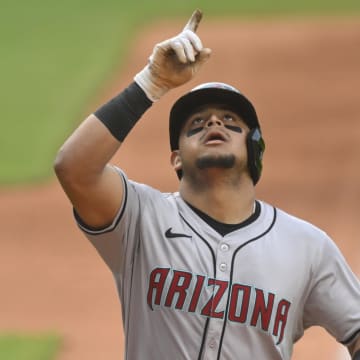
(212, 138)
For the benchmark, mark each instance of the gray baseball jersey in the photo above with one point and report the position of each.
(188, 292)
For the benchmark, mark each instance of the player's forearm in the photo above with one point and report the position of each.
(85, 154)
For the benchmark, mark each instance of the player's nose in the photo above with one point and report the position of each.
(213, 120)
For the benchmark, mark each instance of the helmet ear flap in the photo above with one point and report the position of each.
(255, 149)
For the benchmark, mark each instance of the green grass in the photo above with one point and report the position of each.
(28, 347)
(56, 56)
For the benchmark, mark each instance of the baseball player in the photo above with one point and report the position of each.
(208, 272)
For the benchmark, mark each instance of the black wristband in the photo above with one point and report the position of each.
(122, 112)
(356, 355)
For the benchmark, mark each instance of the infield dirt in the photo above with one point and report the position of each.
(303, 77)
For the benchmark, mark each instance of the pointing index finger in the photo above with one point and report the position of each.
(194, 21)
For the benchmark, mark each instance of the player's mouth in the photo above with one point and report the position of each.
(214, 137)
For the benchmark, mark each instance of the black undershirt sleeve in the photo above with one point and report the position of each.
(122, 112)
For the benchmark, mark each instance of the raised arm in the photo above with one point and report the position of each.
(82, 164)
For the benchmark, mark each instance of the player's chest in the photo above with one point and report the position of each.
(257, 256)
(207, 273)
(224, 282)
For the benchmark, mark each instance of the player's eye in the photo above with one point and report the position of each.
(197, 120)
(228, 118)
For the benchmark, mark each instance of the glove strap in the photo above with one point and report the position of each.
(145, 80)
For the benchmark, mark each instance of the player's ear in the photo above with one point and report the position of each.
(175, 160)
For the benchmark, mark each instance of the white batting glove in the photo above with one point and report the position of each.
(174, 61)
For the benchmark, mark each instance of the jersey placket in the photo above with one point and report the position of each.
(220, 295)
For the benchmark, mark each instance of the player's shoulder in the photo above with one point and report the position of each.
(147, 193)
(298, 227)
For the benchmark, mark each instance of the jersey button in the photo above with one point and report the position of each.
(212, 344)
(224, 247)
(223, 266)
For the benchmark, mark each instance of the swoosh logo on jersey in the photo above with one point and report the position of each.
(170, 235)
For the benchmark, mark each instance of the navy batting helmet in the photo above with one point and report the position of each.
(220, 93)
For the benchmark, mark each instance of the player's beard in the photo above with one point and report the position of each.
(216, 161)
